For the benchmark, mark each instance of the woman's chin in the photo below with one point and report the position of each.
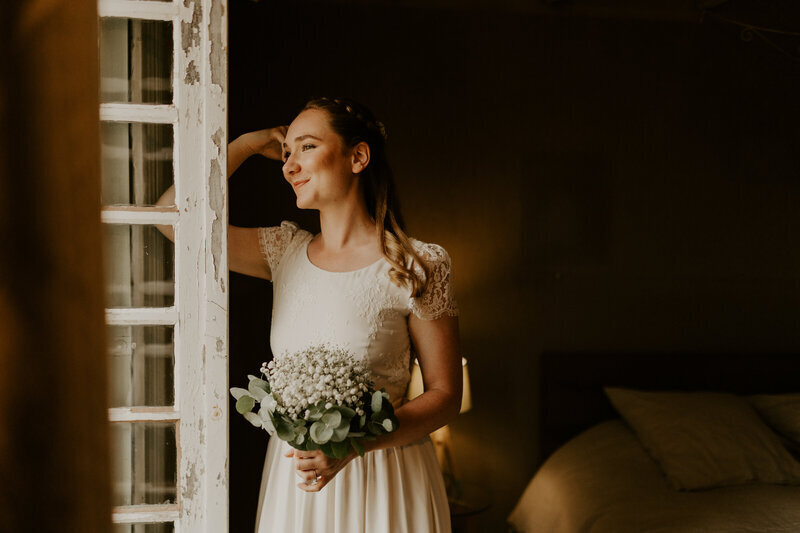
(303, 203)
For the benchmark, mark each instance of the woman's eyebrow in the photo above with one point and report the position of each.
(304, 137)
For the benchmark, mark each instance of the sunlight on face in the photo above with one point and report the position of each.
(315, 162)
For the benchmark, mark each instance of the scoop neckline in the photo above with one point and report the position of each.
(315, 267)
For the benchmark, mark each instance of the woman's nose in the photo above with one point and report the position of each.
(290, 166)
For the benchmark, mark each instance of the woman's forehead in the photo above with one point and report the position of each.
(310, 122)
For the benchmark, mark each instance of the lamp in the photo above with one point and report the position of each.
(441, 437)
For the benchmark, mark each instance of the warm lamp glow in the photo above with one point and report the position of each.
(415, 386)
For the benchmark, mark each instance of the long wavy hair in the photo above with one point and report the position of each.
(354, 123)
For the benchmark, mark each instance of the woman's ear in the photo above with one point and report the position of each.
(360, 158)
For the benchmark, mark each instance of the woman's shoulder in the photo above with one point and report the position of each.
(429, 252)
(275, 241)
(287, 230)
(438, 299)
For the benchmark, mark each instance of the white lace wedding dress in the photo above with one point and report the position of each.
(394, 490)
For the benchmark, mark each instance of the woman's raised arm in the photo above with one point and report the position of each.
(244, 252)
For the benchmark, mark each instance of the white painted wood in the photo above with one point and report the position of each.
(201, 387)
(200, 311)
(156, 114)
(142, 414)
(137, 9)
(142, 316)
(133, 514)
(139, 215)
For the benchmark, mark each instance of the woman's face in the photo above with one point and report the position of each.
(316, 164)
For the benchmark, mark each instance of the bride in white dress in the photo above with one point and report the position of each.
(362, 284)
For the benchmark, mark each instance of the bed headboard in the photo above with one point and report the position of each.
(571, 385)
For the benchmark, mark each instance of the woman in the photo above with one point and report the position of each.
(361, 283)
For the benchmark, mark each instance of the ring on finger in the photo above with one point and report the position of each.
(316, 478)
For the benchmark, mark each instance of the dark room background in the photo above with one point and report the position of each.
(605, 180)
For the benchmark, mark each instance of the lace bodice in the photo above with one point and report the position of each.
(361, 310)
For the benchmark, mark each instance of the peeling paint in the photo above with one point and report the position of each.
(192, 75)
(216, 413)
(200, 425)
(217, 202)
(217, 52)
(191, 482)
(220, 344)
(190, 31)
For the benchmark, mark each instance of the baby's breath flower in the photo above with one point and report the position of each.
(320, 375)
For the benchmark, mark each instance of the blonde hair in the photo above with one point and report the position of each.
(354, 123)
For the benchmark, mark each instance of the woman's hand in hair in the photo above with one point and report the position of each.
(267, 142)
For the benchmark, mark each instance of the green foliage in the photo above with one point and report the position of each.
(245, 404)
(334, 430)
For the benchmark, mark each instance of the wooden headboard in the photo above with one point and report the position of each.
(571, 385)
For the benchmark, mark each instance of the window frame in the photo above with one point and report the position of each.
(199, 314)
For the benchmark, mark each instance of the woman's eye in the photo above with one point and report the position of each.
(308, 147)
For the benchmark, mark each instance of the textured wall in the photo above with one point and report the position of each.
(601, 185)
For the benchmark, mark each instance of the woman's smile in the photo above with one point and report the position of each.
(299, 183)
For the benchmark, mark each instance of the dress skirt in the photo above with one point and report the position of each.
(393, 490)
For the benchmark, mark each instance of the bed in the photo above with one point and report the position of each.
(677, 460)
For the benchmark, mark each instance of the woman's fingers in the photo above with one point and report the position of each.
(312, 482)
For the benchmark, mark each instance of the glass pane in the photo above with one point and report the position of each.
(139, 263)
(142, 366)
(137, 162)
(167, 527)
(144, 463)
(135, 61)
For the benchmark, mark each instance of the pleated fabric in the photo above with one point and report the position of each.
(394, 490)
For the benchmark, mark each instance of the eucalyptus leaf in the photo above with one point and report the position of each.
(377, 401)
(285, 429)
(340, 449)
(300, 438)
(332, 419)
(315, 412)
(374, 428)
(256, 383)
(327, 450)
(362, 420)
(238, 392)
(245, 404)
(340, 433)
(311, 445)
(254, 419)
(345, 411)
(320, 433)
(388, 425)
(357, 447)
(258, 394)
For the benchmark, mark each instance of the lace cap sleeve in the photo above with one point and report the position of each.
(274, 241)
(438, 299)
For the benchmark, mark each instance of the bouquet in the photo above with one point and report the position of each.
(318, 399)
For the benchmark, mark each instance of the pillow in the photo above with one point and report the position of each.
(781, 412)
(703, 440)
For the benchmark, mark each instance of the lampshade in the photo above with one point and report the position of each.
(415, 387)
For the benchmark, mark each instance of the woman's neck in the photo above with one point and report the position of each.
(345, 226)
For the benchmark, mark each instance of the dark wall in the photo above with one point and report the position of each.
(601, 185)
